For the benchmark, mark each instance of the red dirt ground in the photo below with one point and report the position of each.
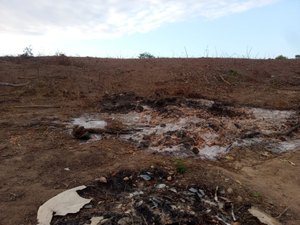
(34, 151)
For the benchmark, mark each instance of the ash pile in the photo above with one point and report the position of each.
(183, 127)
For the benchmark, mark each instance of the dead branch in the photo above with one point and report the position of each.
(292, 130)
(113, 132)
(289, 132)
(283, 212)
(13, 85)
(223, 79)
(37, 106)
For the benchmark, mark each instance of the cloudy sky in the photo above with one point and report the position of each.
(165, 28)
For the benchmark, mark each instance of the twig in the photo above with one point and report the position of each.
(216, 194)
(221, 220)
(144, 220)
(232, 213)
(37, 106)
(225, 81)
(13, 85)
(205, 77)
(113, 132)
(292, 130)
(229, 148)
(288, 132)
(186, 52)
(283, 212)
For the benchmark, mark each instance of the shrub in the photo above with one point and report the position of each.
(146, 55)
(281, 57)
(58, 53)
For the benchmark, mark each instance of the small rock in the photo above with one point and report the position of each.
(67, 169)
(173, 190)
(239, 199)
(147, 137)
(96, 220)
(145, 177)
(161, 186)
(195, 151)
(126, 178)
(138, 204)
(169, 178)
(193, 190)
(222, 192)
(104, 221)
(136, 193)
(124, 221)
(229, 190)
(236, 223)
(88, 207)
(201, 192)
(139, 108)
(102, 180)
(119, 206)
(79, 132)
(144, 144)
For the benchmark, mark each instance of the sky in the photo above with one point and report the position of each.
(164, 28)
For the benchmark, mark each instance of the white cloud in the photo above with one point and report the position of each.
(45, 20)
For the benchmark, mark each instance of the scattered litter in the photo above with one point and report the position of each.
(263, 217)
(62, 204)
(128, 202)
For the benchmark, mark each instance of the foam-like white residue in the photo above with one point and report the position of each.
(272, 115)
(89, 123)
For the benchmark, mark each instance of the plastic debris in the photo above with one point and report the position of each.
(153, 203)
(62, 204)
(96, 220)
(263, 217)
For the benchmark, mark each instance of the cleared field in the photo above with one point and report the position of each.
(228, 127)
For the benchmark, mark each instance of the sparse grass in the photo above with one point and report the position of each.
(257, 195)
(180, 166)
(233, 73)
